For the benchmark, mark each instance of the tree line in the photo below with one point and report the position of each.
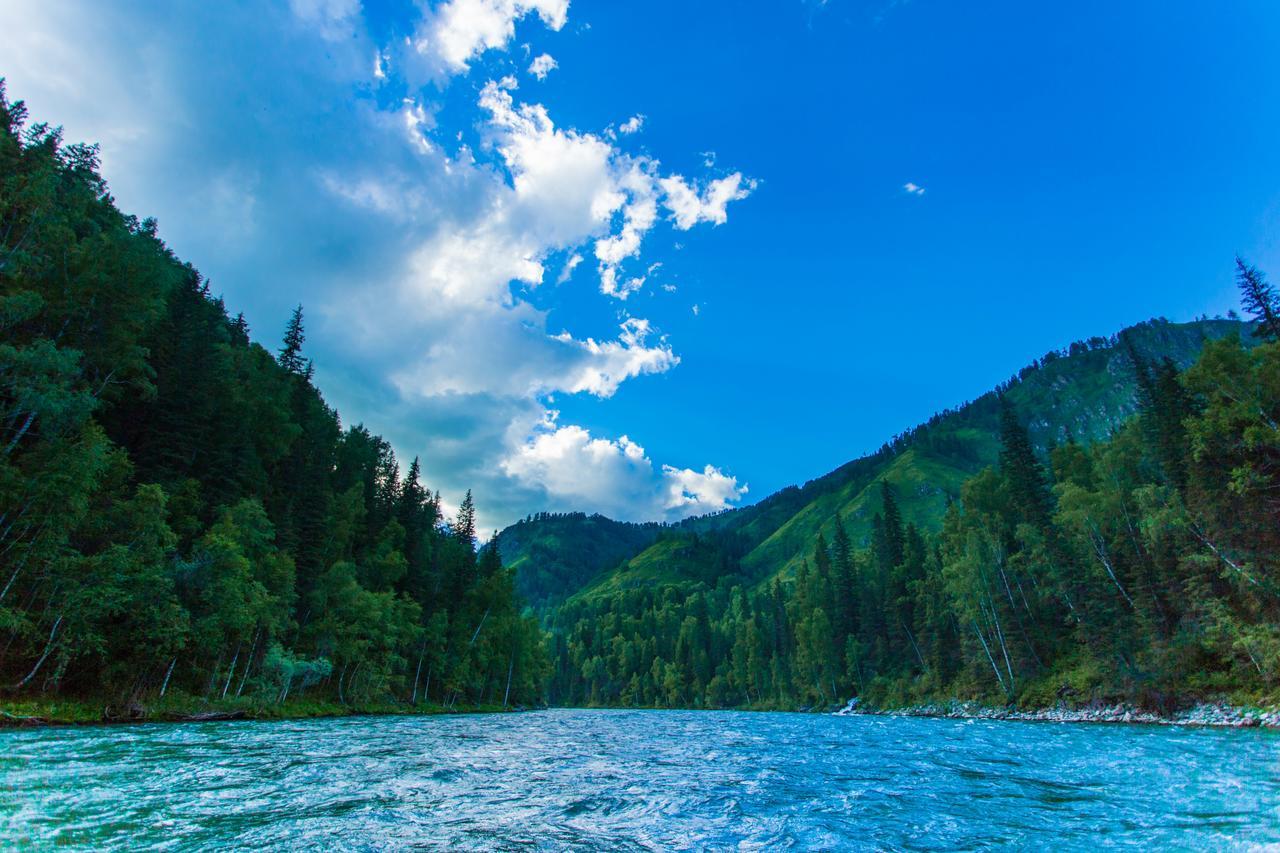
(180, 510)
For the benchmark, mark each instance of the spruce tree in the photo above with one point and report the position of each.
(1259, 299)
(464, 528)
(1029, 492)
(894, 534)
(291, 353)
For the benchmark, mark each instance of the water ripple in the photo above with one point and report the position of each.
(637, 780)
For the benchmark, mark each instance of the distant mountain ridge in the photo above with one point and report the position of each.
(1081, 393)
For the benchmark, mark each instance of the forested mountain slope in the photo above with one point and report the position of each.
(182, 514)
(1142, 565)
(1082, 393)
(555, 555)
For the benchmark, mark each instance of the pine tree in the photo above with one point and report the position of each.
(843, 581)
(1023, 472)
(240, 330)
(291, 353)
(1259, 299)
(464, 528)
(894, 534)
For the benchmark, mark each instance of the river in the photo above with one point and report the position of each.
(591, 780)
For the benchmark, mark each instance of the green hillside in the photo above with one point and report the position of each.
(554, 555)
(1083, 393)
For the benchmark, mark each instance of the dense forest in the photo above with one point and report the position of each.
(181, 514)
(1140, 566)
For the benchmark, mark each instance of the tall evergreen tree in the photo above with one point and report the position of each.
(1259, 299)
(290, 357)
(1029, 493)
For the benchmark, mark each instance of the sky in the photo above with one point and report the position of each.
(656, 259)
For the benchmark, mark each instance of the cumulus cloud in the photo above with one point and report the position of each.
(631, 125)
(913, 189)
(571, 185)
(709, 490)
(460, 30)
(415, 256)
(578, 469)
(543, 65)
(689, 206)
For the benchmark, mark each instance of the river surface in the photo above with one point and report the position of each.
(596, 780)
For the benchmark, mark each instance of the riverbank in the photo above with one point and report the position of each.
(1219, 715)
(36, 713)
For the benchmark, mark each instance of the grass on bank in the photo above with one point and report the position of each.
(182, 708)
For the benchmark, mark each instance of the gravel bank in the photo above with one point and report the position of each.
(1220, 715)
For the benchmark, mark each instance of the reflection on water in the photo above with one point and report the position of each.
(637, 780)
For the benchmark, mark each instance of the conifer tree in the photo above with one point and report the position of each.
(894, 533)
(464, 527)
(291, 352)
(1021, 469)
(1259, 299)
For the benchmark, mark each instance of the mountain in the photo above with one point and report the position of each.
(1081, 393)
(554, 555)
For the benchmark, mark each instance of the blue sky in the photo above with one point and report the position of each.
(800, 227)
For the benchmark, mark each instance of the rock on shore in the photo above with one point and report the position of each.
(1214, 714)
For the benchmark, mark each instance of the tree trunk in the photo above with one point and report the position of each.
(987, 649)
(1100, 549)
(478, 627)
(248, 665)
(47, 649)
(168, 672)
(25, 426)
(230, 672)
(1004, 647)
(417, 672)
(1013, 609)
(912, 638)
(510, 669)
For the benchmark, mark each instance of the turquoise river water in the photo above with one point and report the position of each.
(594, 780)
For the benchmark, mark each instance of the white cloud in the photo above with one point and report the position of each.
(708, 491)
(543, 65)
(669, 288)
(697, 309)
(459, 30)
(631, 125)
(576, 469)
(571, 185)
(688, 206)
(913, 189)
(569, 266)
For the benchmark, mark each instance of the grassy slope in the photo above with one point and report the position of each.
(179, 708)
(1084, 396)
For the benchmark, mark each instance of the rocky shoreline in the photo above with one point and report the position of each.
(1218, 715)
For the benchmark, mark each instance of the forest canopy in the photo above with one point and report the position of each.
(181, 511)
